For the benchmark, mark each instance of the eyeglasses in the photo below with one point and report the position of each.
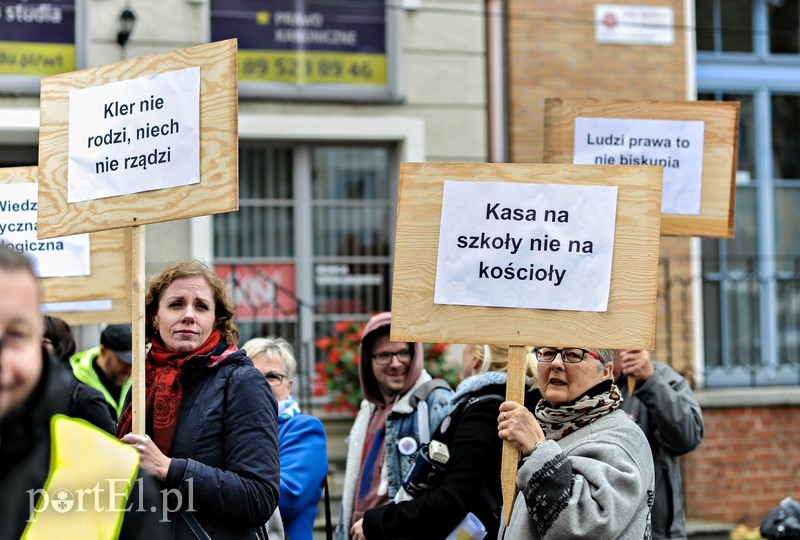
(385, 358)
(570, 355)
(274, 378)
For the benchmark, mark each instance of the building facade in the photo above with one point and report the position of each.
(727, 309)
(333, 96)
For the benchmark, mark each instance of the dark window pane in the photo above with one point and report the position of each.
(737, 25)
(742, 314)
(265, 172)
(18, 156)
(785, 135)
(712, 324)
(264, 224)
(350, 173)
(787, 229)
(742, 249)
(783, 27)
(746, 161)
(351, 231)
(258, 231)
(789, 319)
(704, 15)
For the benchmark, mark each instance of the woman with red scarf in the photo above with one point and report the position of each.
(211, 418)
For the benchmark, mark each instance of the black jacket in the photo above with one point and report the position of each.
(25, 443)
(471, 482)
(225, 451)
(88, 403)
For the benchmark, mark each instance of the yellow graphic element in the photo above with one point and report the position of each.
(262, 18)
(21, 58)
(91, 476)
(305, 67)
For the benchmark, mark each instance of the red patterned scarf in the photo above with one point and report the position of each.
(163, 388)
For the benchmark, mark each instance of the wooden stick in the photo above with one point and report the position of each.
(515, 391)
(631, 384)
(137, 329)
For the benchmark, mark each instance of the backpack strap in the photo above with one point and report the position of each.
(424, 390)
(418, 400)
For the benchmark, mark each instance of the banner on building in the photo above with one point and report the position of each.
(260, 291)
(37, 38)
(307, 48)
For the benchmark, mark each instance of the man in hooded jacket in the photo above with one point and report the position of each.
(402, 405)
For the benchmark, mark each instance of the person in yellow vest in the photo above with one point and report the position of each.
(59, 477)
(107, 367)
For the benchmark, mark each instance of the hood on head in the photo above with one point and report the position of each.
(369, 385)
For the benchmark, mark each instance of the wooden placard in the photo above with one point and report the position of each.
(218, 190)
(120, 313)
(721, 138)
(629, 321)
(110, 260)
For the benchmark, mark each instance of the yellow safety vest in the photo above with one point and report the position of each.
(91, 476)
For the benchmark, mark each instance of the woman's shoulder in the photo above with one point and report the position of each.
(616, 429)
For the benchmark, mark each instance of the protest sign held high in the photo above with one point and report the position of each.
(121, 146)
(521, 254)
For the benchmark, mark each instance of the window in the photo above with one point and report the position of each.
(311, 242)
(751, 284)
(728, 30)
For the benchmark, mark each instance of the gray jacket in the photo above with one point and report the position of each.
(596, 482)
(666, 410)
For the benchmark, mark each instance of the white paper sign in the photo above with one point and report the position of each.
(56, 257)
(68, 307)
(133, 136)
(676, 145)
(634, 25)
(518, 245)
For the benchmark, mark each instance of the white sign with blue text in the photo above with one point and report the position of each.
(518, 245)
(65, 256)
(134, 136)
(676, 145)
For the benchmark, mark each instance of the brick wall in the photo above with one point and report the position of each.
(552, 53)
(748, 462)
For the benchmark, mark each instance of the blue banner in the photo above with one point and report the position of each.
(306, 42)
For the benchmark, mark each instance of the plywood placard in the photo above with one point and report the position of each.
(120, 313)
(110, 260)
(721, 121)
(217, 190)
(628, 321)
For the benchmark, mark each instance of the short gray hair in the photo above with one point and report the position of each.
(275, 347)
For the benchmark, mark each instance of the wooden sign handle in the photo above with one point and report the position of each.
(515, 391)
(137, 330)
(631, 384)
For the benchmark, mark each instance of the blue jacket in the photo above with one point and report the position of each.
(225, 452)
(304, 464)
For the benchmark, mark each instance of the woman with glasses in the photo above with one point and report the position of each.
(587, 470)
(301, 438)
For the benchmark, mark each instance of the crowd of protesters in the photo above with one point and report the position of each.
(227, 453)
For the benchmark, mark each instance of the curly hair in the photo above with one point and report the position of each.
(224, 308)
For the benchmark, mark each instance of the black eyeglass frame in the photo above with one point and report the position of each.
(384, 358)
(561, 351)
